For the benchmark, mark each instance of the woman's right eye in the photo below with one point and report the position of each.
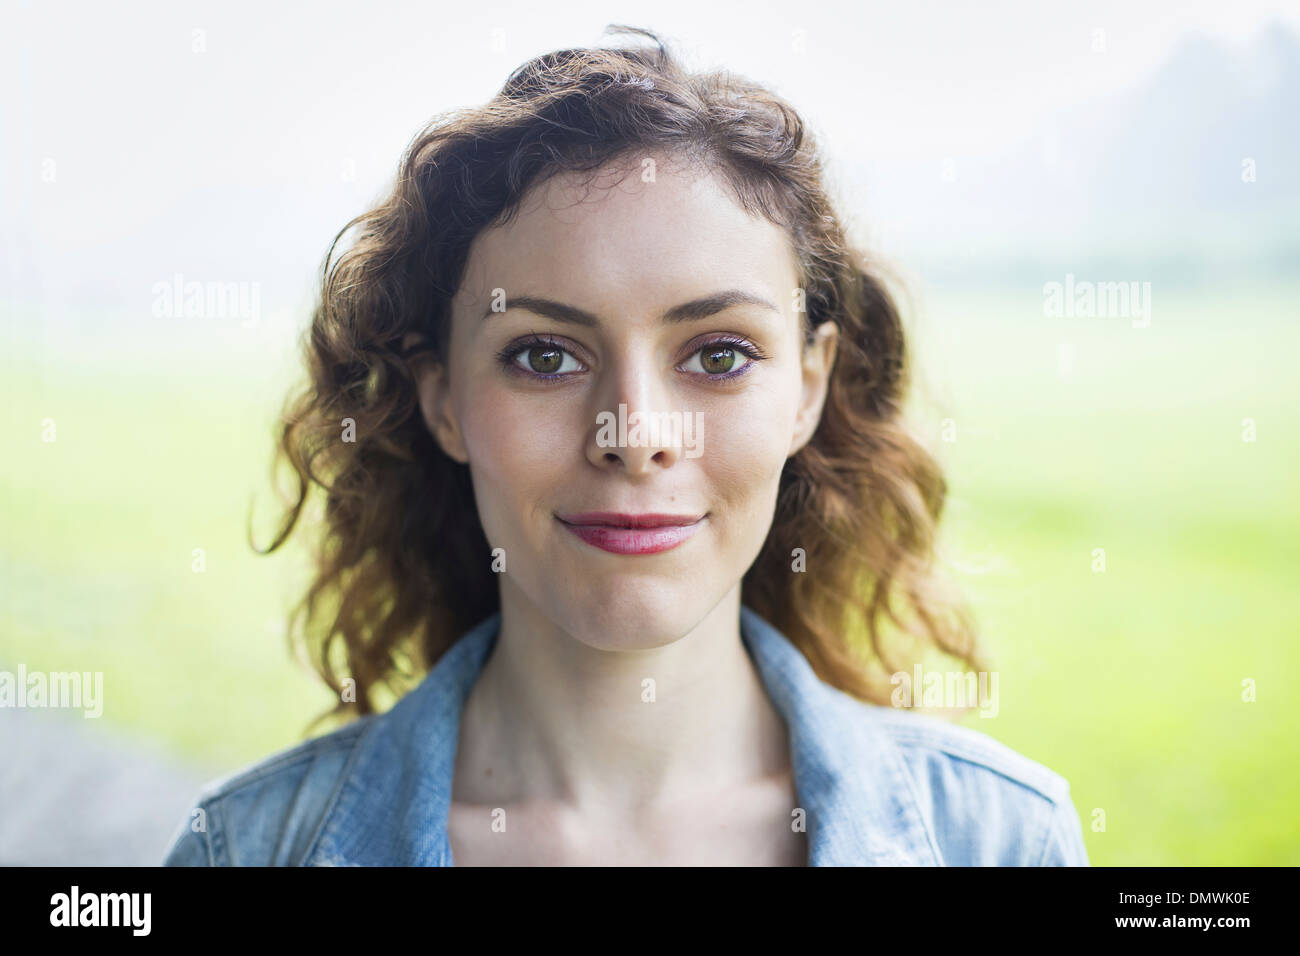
(546, 360)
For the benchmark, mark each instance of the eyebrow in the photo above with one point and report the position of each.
(700, 308)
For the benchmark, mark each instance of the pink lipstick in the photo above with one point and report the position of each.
(632, 534)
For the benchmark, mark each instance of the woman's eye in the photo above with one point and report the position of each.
(546, 360)
(717, 360)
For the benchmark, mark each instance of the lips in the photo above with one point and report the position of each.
(621, 533)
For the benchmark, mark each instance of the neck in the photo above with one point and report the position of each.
(554, 720)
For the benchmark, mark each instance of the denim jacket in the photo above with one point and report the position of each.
(880, 787)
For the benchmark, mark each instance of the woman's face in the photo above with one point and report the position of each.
(596, 305)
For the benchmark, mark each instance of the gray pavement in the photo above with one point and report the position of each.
(82, 792)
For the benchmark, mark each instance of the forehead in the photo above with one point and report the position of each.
(660, 232)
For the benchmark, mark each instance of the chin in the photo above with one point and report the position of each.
(636, 615)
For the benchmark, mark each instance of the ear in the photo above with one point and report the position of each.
(818, 360)
(434, 394)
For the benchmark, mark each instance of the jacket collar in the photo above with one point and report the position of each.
(861, 805)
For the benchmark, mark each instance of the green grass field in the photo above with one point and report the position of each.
(1128, 682)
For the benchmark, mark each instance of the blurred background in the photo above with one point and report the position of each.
(1124, 508)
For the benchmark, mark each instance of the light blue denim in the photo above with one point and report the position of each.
(880, 786)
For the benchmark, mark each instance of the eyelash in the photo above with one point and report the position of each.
(508, 355)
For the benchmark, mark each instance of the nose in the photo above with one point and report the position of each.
(634, 430)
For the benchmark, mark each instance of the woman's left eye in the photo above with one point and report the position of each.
(719, 360)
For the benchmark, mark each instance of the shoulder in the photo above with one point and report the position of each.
(985, 803)
(268, 813)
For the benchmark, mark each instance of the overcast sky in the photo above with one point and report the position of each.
(138, 107)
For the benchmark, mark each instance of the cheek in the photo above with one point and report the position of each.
(517, 454)
(745, 444)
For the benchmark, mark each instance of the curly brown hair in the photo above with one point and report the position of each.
(399, 575)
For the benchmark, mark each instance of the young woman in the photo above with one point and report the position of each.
(606, 413)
